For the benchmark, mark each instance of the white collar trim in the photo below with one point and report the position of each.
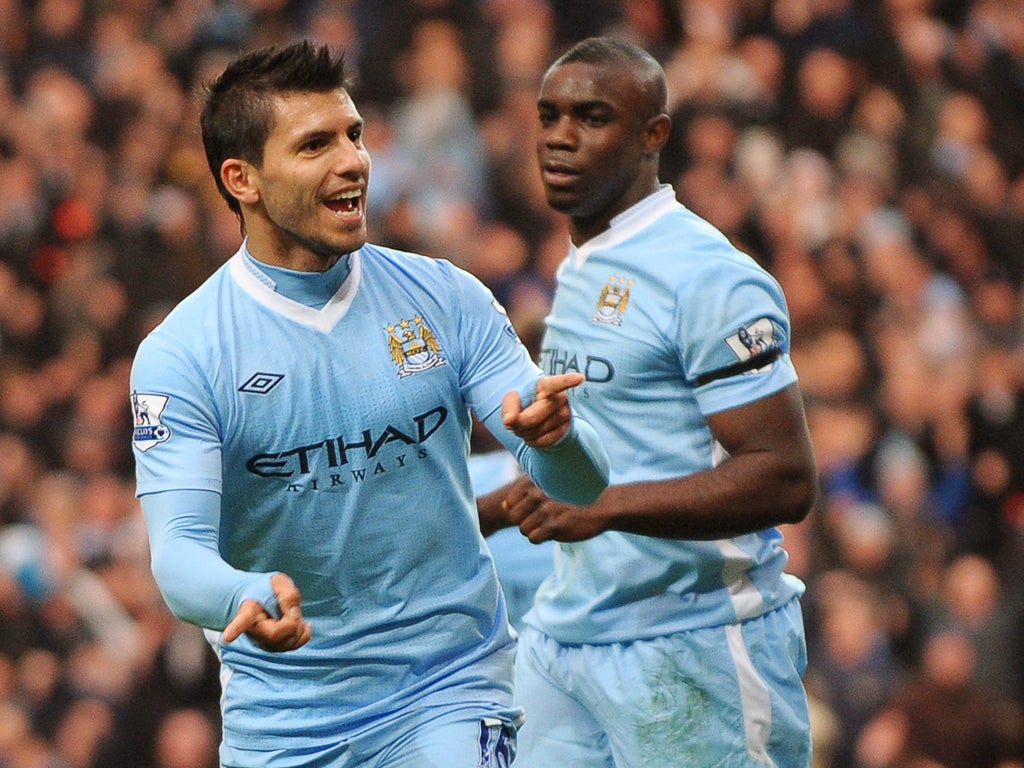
(257, 284)
(632, 220)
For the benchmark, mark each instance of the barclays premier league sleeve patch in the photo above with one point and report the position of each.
(753, 340)
(146, 411)
(756, 347)
(507, 326)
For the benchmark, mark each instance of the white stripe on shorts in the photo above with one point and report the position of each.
(755, 700)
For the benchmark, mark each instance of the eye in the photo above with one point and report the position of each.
(356, 135)
(314, 145)
(546, 117)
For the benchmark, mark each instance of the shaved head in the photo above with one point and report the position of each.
(609, 51)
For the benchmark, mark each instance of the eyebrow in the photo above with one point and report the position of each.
(310, 135)
(578, 106)
(327, 133)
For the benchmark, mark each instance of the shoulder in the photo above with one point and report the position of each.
(381, 256)
(686, 254)
(432, 273)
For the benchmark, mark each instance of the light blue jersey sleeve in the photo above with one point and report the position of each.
(170, 390)
(198, 586)
(743, 319)
(179, 489)
(575, 470)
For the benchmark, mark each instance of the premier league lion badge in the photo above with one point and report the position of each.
(146, 411)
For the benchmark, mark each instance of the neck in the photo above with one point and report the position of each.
(312, 288)
(584, 228)
(297, 258)
(279, 248)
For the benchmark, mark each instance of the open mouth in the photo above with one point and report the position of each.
(345, 202)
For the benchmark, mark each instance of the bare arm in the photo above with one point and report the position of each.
(768, 479)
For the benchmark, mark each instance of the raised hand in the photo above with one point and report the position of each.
(545, 421)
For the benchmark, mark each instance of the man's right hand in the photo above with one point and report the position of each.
(287, 633)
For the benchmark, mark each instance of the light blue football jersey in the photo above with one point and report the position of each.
(521, 564)
(654, 311)
(338, 440)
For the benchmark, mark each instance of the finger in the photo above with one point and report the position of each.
(546, 406)
(532, 527)
(520, 487)
(299, 635)
(544, 429)
(540, 417)
(552, 385)
(287, 594)
(511, 407)
(285, 634)
(539, 536)
(289, 601)
(250, 613)
(524, 505)
(288, 634)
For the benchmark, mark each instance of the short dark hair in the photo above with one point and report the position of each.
(237, 115)
(614, 51)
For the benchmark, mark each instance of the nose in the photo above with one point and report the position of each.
(351, 159)
(560, 133)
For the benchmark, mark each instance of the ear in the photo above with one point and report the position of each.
(656, 131)
(241, 180)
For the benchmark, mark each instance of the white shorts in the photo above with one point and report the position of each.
(729, 696)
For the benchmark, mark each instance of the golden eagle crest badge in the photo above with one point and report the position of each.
(613, 301)
(414, 347)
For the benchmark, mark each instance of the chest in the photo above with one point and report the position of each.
(614, 325)
(295, 397)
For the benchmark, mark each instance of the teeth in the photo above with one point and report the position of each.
(351, 194)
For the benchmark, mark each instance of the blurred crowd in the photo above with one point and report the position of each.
(869, 153)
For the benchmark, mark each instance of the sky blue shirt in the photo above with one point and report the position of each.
(334, 435)
(656, 311)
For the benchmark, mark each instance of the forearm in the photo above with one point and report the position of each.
(196, 583)
(741, 495)
(573, 471)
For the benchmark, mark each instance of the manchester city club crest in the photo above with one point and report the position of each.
(146, 411)
(613, 301)
(414, 347)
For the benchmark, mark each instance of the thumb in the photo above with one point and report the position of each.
(511, 407)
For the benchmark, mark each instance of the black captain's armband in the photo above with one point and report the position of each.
(753, 362)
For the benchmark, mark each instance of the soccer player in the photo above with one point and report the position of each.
(669, 633)
(301, 446)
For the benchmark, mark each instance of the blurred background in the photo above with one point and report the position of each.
(869, 153)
